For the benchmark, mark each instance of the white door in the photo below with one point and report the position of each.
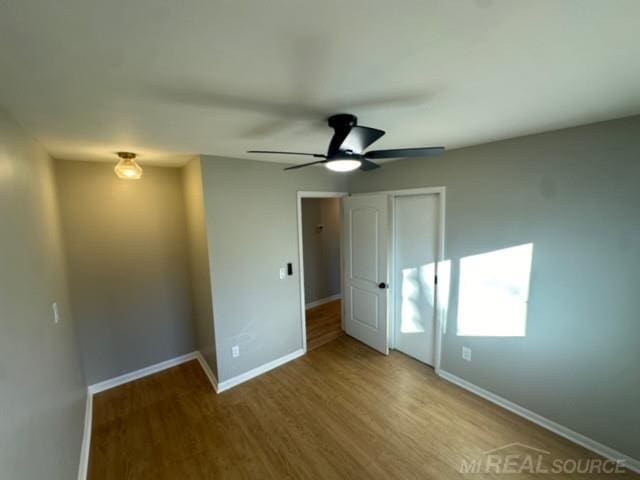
(414, 268)
(366, 220)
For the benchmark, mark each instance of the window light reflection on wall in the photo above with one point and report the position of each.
(494, 293)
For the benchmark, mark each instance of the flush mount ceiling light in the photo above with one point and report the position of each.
(127, 168)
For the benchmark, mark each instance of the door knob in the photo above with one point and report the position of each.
(382, 285)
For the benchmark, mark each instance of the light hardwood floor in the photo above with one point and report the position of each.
(342, 411)
(324, 324)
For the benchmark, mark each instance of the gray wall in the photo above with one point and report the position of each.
(199, 263)
(128, 267)
(321, 247)
(252, 232)
(575, 194)
(42, 391)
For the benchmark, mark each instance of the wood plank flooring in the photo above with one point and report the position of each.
(324, 324)
(342, 411)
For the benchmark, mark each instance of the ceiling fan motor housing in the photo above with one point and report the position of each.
(342, 123)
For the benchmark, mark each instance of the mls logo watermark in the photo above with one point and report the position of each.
(518, 458)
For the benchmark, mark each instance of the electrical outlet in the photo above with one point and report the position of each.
(235, 351)
(56, 312)
(466, 353)
(283, 273)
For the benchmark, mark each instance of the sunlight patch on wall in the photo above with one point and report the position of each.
(417, 295)
(494, 293)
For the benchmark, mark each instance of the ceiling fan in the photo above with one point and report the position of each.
(346, 148)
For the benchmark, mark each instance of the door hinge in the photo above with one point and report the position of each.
(435, 279)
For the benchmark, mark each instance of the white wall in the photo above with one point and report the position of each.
(42, 390)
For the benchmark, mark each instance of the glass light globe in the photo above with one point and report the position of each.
(127, 168)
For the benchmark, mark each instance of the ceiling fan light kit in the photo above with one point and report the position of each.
(346, 151)
(343, 165)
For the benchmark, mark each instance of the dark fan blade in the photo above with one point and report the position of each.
(360, 138)
(317, 155)
(293, 167)
(367, 165)
(405, 152)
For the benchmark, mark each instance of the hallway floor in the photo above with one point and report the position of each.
(324, 324)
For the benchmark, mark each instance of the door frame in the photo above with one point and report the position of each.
(440, 307)
(303, 313)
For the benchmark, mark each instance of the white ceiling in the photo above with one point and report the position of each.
(171, 78)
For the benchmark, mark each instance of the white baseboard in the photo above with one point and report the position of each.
(218, 386)
(575, 437)
(85, 449)
(143, 372)
(243, 377)
(322, 301)
(207, 370)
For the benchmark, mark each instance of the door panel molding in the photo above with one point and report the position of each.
(376, 250)
(373, 316)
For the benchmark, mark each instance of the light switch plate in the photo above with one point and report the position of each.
(283, 273)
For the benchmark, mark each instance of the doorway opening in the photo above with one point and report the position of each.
(320, 248)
